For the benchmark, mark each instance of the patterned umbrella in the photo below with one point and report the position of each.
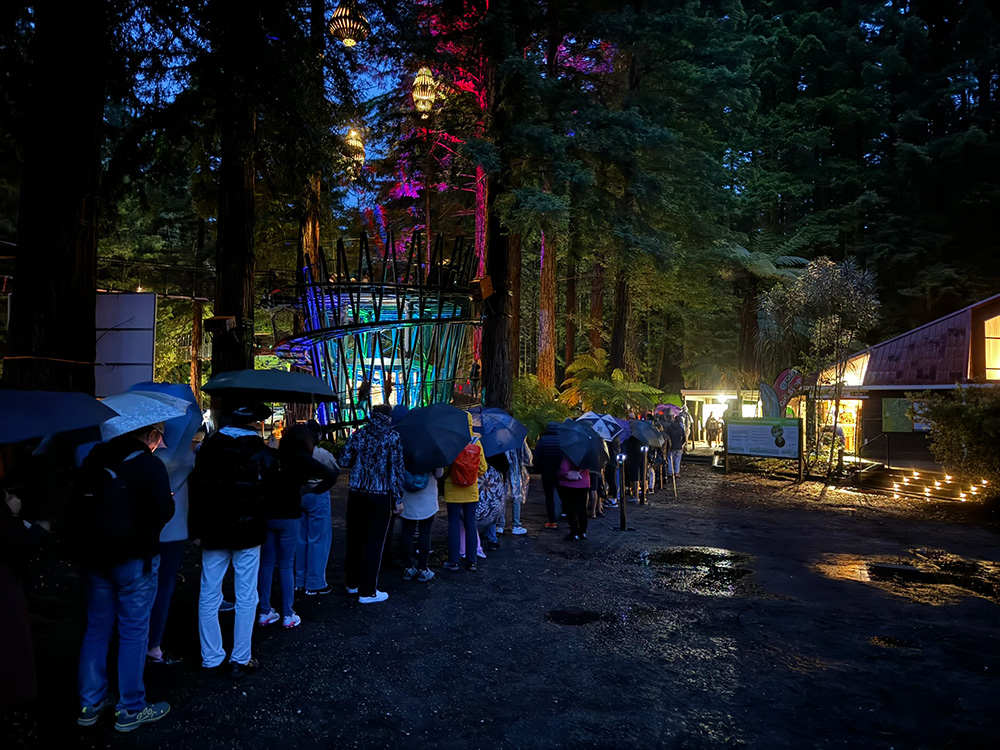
(138, 410)
(604, 424)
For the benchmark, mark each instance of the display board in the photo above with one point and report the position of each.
(126, 338)
(777, 437)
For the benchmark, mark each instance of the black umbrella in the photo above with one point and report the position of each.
(645, 433)
(432, 436)
(285, 386)
(32, 414)
(582, 445)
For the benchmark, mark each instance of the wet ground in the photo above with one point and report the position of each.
(745, 613)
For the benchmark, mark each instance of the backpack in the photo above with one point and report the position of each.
(465, 468)
(105, 526)
(415, 482)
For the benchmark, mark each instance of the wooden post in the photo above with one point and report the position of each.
(802, 472)
(196, 339)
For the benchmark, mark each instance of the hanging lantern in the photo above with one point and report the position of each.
(424, 91)
(348, 24)
(356, 145)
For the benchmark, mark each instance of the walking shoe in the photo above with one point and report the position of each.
(450, 566)
(319, 592)
(165, 660)
(471, 566)
(424, 575)
(481, 554)
(552, 526)
(499, 530)
(268, 619)
(227, 606)
(352, 592)
(126, 721)
(237, 670)
(572, 538)
(611, 504)
(409, 574)
(583, 536)
(292, 621)
(519, 530)
(380, 596)
(90, 714)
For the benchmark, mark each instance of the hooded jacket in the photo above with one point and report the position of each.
(374, 454)
(454, 493)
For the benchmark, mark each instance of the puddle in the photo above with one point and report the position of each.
(891, 641)
(929, 576)
(573, 616)
(707, 571)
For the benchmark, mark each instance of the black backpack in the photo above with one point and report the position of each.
(105, 527)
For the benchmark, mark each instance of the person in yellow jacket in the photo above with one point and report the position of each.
(461, 503)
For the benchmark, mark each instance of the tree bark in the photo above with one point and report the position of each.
(547, 314)
(498, 382)
(234, 257)
(52, 337)
(515, 303)
(571, 313)
(597, 305)
(619, 329)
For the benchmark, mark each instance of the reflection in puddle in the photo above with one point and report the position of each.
(930, 576)
(707, 571)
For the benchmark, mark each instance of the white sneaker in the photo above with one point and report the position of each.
(268, 619)
(380, 596)
(499, 530)
(519, 530)
(292, 621)
(481, 554)
(350, 590)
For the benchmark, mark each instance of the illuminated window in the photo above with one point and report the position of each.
(993, 348)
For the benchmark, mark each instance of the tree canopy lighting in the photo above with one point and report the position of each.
(348, 24)
(424, 91)
(357, 146)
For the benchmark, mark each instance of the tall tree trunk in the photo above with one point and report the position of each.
(234, 256)
(622, 317)
(571, 312)
(515, 302)
(547, 314)
(597, 304)
(746, 346)
(309, 213)
(498, 382)
(52, 337)
(196, 339)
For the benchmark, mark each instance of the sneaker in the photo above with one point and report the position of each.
(268, 619)
(499, 530)
(380, 596)
(611, 504)
(319, 592)
(126, 721)
(424, 575)
(583, 536)
(166, 660)
(292, 621)
(90, 714)
(227, 606)
(352, 592)
(552, 526)
(572, 538)
(481, 554)
(450, 566)
(519, 530)
(237, 670)
(409, 574)
(471, 567)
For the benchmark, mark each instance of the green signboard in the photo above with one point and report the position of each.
(765, 437)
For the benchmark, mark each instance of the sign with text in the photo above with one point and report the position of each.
(766, 438)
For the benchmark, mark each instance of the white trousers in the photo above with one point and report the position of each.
(214, 564)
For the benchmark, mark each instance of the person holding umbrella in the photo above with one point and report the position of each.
(461, 497)
(548, 457)
(675, 433)
(374, 454)
(574, 486)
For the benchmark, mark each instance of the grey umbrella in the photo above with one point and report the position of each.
(285, 386)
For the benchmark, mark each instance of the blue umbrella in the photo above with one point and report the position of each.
(432, 436)
(270, 385)
(499, 431)
(179, 431)
(645, 433)
(33, 414)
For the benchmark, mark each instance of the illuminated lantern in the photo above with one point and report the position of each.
(424, 91)
(348, 24)
(357, 146)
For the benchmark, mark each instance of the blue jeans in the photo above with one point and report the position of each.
(278, 551)
(459, 515)
(171, 557)
(123, 596)
(315, 538)
(674, 462)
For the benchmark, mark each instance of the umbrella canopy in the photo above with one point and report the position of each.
(138, 410)
(604, 424)
(432, 436)
(582, 445)
(270, 385)
(499, 431)
(179, 431)
(626, 429)
(645, 433)
(33, 414)
(670, 409)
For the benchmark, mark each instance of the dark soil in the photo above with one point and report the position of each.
(749, 612)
